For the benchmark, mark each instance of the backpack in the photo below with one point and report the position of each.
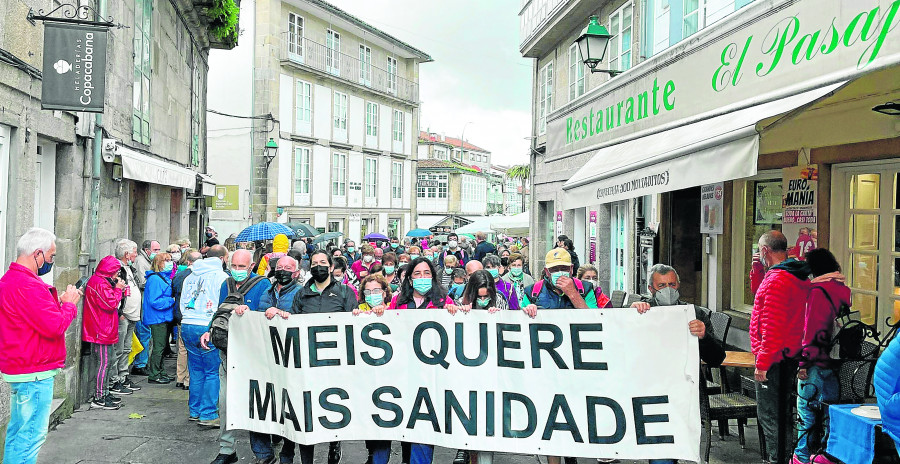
(846, 337)
(218, 328)
(539, 285)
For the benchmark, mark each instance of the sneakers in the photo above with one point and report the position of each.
(104, 403)
(139, 371)
(193, 418)
(161, 380)
(113, 398)
(225, 459)
(209, 423)
(334, 453)
(120, 389)
(131, 385)
(462, 457)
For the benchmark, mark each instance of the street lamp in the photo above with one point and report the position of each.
(271, 151)
(592, 43)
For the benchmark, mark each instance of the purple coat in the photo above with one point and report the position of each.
(509, 292)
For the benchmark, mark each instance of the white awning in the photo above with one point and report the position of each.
(139, 166)
(718, 149)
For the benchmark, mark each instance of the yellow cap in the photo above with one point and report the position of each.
(557, 257)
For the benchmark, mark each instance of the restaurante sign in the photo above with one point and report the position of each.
(765, 52)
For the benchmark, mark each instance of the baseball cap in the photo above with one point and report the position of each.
(557, 257)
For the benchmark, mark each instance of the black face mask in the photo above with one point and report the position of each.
(320, 273)
(282, 277)
(504, 261)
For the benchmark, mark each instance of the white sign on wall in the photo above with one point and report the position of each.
(712, 208)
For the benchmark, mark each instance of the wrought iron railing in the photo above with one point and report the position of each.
(307, 53)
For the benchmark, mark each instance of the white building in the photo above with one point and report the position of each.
(343, 98)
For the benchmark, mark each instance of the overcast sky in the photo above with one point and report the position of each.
(477, 74)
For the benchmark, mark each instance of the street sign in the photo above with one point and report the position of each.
(227, 198)
(74, 74)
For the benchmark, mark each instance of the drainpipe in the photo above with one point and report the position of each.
(97, 167)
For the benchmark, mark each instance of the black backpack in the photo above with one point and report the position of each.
(218, 331)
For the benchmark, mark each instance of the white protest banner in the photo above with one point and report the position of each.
(586, 383)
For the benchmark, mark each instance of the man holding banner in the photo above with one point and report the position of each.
(664, 283)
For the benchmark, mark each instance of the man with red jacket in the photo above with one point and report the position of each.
(33, 323)
(776, 326)
(100, 325)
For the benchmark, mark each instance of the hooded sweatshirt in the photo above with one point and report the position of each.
(820, 316)
(200, 292)
(280, 246)
(158, 299)
(778, 313)
(101, 304)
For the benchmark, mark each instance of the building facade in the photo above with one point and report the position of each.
(343, 98)
(456, 185)
(687, 156)
(151, 181)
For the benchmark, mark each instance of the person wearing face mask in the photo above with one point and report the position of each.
(361, 266)
(396, 247)
(453, 249)
(457, 284)
(129, 314)
(252, 288)
(352, 253)
(103, 293)
(491, 264)
(776, 335)
(588, 273)
(391, 270)
(182, 375)
(149, 249)
(379, 254)
(33, 325)
(157, 312)
(504, 262)
(199, 301)
(664, 283)
(558, 289)
(481, 293)
(322, 294)
(342, 274)
(518, 277)
(450, 264)
(414, 252)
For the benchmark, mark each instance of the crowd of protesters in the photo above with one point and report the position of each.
(144, 304)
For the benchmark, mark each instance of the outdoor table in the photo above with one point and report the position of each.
(851, 438)
(739, 359)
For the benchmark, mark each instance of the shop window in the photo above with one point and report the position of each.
(763, 213)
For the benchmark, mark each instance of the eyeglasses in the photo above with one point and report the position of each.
(373, 292)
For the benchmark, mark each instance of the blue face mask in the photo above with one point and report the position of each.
(422, 285)
(556, 275)
(167, 267)
(351, 249)
(496, 272)
(412, 257)
(46, 267)
(457, 288)
(374, 300)
(389, 270)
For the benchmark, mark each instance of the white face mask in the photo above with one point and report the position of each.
(368, 258)
(667, 296)
(452, 244)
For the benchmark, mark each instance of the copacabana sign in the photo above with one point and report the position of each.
(588, 383)
(762, 53)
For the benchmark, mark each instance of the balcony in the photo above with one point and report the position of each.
(306, 54)
(543, 24)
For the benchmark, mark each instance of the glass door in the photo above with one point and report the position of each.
(619, 246)
(871, 244)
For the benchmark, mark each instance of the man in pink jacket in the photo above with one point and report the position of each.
(33, 323)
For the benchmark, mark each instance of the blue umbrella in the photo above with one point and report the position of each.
(375, 236)
(263, 231)
(419, 233)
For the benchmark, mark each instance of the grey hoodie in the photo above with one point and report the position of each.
(201, 291)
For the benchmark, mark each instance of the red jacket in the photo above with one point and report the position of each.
(32, 323)
(778, 313)
(820, 316)
(101, 304)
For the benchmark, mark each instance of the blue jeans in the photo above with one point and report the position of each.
(204, 368)
(261, 444)
(380, 449)
(820, 387)
(663, 461)
(28, 420)
(143, 334)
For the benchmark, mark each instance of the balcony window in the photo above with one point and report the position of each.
(392, 74)
(295, 37)
(576, 73)
(545, 95)
(620, 26)
(365, 65)
(339, 174)
(333, 52)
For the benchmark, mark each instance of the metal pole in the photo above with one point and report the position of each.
(97, 167)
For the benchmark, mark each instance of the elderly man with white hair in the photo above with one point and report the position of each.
(126, 252)
(33, 323)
